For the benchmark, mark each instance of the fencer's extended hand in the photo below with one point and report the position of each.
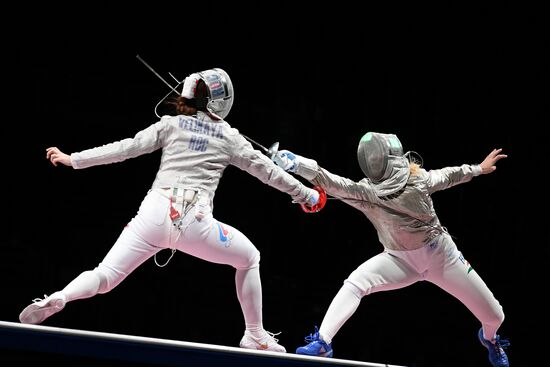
(488, 164)
(313, 198)
(317, 201)
(56, 156)
(290, 162)
(286, 160)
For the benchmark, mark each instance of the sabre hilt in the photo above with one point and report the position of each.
(273, 149)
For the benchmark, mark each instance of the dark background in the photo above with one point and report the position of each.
(452, 80)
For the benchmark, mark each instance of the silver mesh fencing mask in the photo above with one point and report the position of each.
(220, 91)
(375, 154)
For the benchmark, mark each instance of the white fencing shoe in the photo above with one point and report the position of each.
(41, 309)
(266, 342)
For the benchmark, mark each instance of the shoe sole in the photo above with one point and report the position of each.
(249, 343)
(261, 347)
(325, 354)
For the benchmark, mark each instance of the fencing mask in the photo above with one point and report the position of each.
(212, 90)
(381, 159)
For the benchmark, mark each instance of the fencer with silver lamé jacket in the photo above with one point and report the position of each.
(195, 152)
(404, 220)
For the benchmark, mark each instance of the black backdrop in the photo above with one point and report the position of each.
(453, 81)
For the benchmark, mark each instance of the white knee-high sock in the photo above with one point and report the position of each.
(85, 285)
(343, 305)
(249, 293)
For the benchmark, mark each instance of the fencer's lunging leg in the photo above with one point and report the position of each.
(249, 293)
(382, 272)
(221, 243)
(468, 287)
(343, 305)
(85, 285)
(128, 252)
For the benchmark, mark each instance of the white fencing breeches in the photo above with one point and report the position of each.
(199, 234)
(439, 263)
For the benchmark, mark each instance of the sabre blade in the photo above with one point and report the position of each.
(273, 149)
(157, 74)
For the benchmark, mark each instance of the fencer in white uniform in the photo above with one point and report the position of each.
(395, 196)
(197, 146)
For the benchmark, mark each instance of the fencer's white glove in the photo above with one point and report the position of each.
(313, 198)
(286, 160)
(189, 86)
(290, 162)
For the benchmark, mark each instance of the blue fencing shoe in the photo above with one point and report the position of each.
(315, 346)
(497, 356)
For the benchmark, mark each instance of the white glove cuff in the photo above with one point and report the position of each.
(313, 197)
(307, 168)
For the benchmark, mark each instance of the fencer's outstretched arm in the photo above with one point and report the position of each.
(290, 162)
(54, 155)
(489, 163)
(344, 188)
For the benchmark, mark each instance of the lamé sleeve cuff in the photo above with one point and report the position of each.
(307, 168)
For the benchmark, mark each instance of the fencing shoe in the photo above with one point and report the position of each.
(266, 342)
(41, 309)
(316, 346)
(497, 355)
